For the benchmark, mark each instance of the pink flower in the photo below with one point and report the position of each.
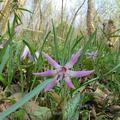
(26, 53)
(63, 72)
(92, 55)
(3, 43)
(18, 30)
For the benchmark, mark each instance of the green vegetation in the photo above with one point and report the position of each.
(22, 95)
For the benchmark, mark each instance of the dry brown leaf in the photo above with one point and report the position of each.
(55, 96)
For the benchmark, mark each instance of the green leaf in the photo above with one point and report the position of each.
(4, 59)
(76, 42)
(56, 49)
(19, 115)
(9, 30)
(10, 66)
(25, 99)
(25, 10)
(116, 67)
(4, 82)
(76, 117)
(28, 45)
(18, 19)
(42, 113)
(45, 39)
(71, 107)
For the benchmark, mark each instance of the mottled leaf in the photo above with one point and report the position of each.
(41, 113)
(71, 107)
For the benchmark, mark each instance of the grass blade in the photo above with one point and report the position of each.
(25, 99)
(4, 59)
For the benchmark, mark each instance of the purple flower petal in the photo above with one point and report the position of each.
(4, 41)
(25, 53)
(1, 46)
(37, 54)
(79, 73)
(18, 30)
(30, 56)
(51, 61)
(46, 73)
(73, 59)
(69, 83)
(52, 84)
(92, 55)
